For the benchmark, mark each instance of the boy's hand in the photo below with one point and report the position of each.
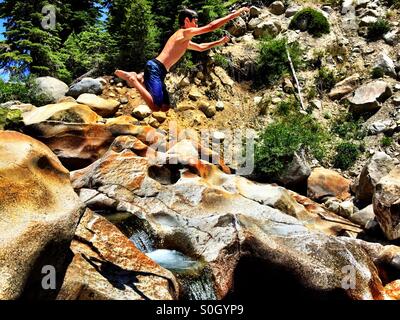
(225, 39)
(240, 11)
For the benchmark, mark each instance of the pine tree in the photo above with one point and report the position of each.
(31, 49)
(132, 25)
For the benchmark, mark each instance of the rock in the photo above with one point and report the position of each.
(185, 82)
(277, 8)
(327, 9)
(160, 116)
(39, 214)
(253, 23)
(231, 224)
(223, 76)
(340, 92)
(386, 201)
(367, 21)
(397, 87)
(219, 106)
(218, 136)
(195, 94)
(194, 117)
(367, 97)
(344, 209)
(151, 121)
(287, 85)
(123, 119)
(106, 266)
(297, 171)
(68, 112)
(86, 85)
(396, 101)
(103, 107)
(52, 88)
(381, 126)
(141, 112)
(364, 216)
(392, 37)
(292, 10)
(317, 104)
(123, 100)
(237, 28)
(17, 105)
(325, 182)
(385, 64)
(208, 109)
(254, 11)
(347, 7)
(266, 28)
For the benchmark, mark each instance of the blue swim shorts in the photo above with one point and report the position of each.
(154, 76)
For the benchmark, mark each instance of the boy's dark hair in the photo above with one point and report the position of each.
(186, 13)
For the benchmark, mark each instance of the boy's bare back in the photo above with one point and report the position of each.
(174, 49)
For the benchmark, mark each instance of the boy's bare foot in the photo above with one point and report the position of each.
(130, 77)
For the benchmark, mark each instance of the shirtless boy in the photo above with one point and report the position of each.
(151, 84)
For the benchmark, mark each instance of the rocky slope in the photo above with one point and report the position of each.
(124, 203)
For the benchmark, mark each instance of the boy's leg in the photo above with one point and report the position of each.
(132, 79)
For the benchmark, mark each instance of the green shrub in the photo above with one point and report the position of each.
(346, 154)
(221, 60)
(348, 128)
(287, 107)
(281, 139)
(10, 119)
(325, 80)
(310, 20)
(386, 141)
(378, 29)
(24, 91)
(272, 61)
(377, 73)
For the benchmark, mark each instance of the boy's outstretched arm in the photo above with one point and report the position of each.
(214, 25)
(206, 46)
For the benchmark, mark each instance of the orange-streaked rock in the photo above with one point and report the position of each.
(39, 211)
(107, 265)
(325, 182)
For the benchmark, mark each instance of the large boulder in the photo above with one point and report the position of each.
(68, 112)
(277, 8)
(249, 234)
(386, 64)
(368, 97)
(386, 201)
(103, 107)
(237, 27)
(39, 214)
(267, 28)
(52, 88)
(344, 87)
(86, 85)
(297, 171)
(378, 166)
(107, 266)
(326, 183)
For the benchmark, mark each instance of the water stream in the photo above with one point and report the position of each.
(194, 276)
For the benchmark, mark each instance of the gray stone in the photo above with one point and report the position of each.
(392, 37)
(52, 88)
(367, 21)
(378, 166)
(86, 85)
(237, 28)
(396, 101)
(141, 112)
(253, 23)
(266, 28)
(381, 126)
(386, 64)
(364, 216)
(254, 11)
(277, 8)
(220, 106)
(386, 201)
(292, 10)
(367, 97)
